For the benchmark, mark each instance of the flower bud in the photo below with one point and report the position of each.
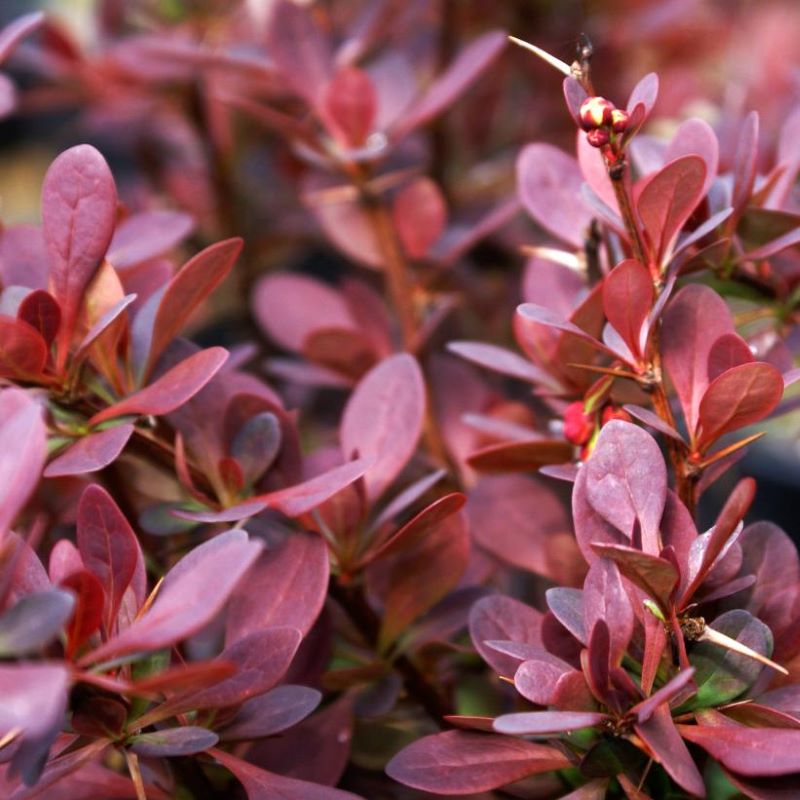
(578, 425)
(598, 137)
(595, 112)
(614, 412)
(619, 120)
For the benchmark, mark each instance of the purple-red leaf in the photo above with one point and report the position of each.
(40, 310)
(605, 598)
(108, 546)
(420, 216)
(262, 785)
(187, 603)
(627, 298)
(349, 105)
(740, 396)
(655, 576)
(286, 587)
(272, 713)
(147, 235)
(626, 481)
(23, 351)
(171, 390)
(668, 200)
(90, 453)
(172, 742)
(535, 723)
(461, 762)
(383, 419)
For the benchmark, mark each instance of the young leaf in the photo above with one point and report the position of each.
(79, 209)
(420, 216)
(460, 762)
(349, 105)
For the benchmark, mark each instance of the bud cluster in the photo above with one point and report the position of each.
(600, 119)
(582, 426)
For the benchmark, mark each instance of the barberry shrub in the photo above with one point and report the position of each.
(394, 575)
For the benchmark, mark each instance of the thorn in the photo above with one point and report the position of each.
(563, 68)
(715, 637)
(567, 259)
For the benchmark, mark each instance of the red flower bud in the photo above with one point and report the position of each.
(595, 112)
(578, 425)
(619, 120)
(598, 137)
(614, 412)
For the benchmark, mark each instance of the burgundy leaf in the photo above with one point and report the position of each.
(420, 216)
(286, 587)
(171, 390)
(103, 324)
(460, 762)
(271, 713)
(655, 576)
(626, 481)
(696, 137)
(108, 546)
(549, 182)
(525, 456)
(664, 742)
(40, 310)
(79, 209)
(537, 677)
(262, 785)
(749, 751)
(172, 742)
(535, 723)
(567, 607)
(627, 298)
(503, 618)
(668, 199)
(695, 318)
(186, 604)
(88, 614)
(740, 396)
(645, 92)
(729, 351)
(605, 598)
(470, 62)
(90, 453)
(383, 419)
(652, 420)
(744, 169)
(23, 351)
(666, 694)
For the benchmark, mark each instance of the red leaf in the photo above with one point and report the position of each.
(740, 396)
(171, 390)
(271, 713)
(460, 762)
(90, 598)
(108, 546)
(262, 785)
(383, 419)
(524, 523)
(696, 137)
(627, 299)
(605, 598)
(79, 209)
(749, 751)
(146, 235)
(291, 307)
(20, 467)
(537, 677)
(90, 453)
(188, 602)
(695, 318)
(349, 105)
(190, 286)
(521, 456)
(42, 313)
(668, 199)
(548, 183)
(286, 587)
(421, 575)
(729, 351)
(664, 742)
(420, 216)
(744, 164)
(23, 352)
(470, 62)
